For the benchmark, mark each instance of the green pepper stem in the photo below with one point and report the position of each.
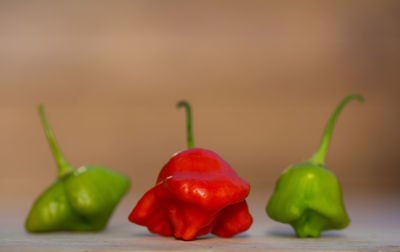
(63, 166)
(319, 156)
(185, 104)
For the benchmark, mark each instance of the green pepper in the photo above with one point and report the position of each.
(81, 199)
(307, 195)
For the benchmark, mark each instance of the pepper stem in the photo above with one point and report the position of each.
(63, 166)
(185, 104)
(319, 156)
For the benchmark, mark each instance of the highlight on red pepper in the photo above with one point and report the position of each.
(308, 195)
(196, 193)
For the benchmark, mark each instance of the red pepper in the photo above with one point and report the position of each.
(196, 193)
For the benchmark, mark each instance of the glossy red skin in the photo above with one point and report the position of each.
(197, 193)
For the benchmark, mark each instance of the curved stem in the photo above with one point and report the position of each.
(319, 156)
(63, 166)
(189, 122)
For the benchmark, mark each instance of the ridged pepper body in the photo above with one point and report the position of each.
(196, 193)
(80, 199)
(309, 198)
(307, 195)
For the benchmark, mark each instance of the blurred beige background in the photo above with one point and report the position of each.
(262, 77)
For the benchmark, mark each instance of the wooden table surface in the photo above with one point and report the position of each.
(375, 226)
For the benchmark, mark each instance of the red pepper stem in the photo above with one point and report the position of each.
(185, 104)
(319, 156)
(63, 166)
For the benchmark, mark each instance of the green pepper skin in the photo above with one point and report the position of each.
(309, 198)
(307, 195)
(81, 199)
